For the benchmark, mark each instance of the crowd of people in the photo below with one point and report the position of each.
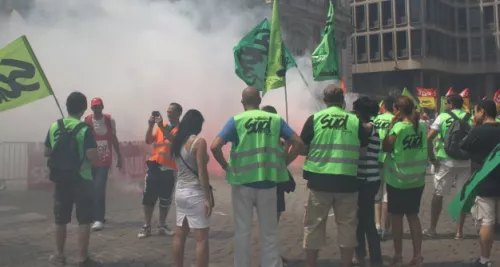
(370, 168)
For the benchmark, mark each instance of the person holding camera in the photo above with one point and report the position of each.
(160, 176)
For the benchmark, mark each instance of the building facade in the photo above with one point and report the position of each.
(303, 22)
(426, 43)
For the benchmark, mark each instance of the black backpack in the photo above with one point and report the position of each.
(65, 161)
(455, 133)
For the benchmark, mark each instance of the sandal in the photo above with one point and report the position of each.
(397, 262)
(416, 262)
(57, 259)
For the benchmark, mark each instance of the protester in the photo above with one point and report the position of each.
(479, 143)
(405, 176)
(256, 163)
(334, 137)
(369, 176)
(73, 186)
(160, 177)
(104, 129)
(193, 198)
(382, 218)
(281, 188)
(447, 170)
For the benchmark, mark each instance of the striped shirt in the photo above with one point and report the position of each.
(368, 168)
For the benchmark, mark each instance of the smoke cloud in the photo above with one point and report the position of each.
(139, 56)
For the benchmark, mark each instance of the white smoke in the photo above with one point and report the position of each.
(139, 56)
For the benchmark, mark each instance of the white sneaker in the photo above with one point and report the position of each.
(98, 226)
(164, 230)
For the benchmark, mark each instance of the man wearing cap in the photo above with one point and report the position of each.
(104, 129)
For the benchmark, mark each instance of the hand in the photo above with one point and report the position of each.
(159, 121)
(208, 207)
(151, 121)
(119, 163)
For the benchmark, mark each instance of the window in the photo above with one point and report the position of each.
(452, 25)
(373, 17)
(462, 19)
(430, 43)
(402, 44)
(498, 15)
(353, 49)
(387, 19)
(360, 18)
(476, 49)
(415, 14)
(430, 11)
(490, 48)
(475, 19)
(388, 46)
(489, 18)
(463, 50)
(401, 18)
(416, 43)
(451, 48)
(361, 49)
(375, 47)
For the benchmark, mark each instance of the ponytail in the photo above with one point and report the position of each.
(415, 119)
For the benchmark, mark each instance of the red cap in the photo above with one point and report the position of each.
(96, 101)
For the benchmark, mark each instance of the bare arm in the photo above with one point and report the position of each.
(166, 133)
(47, 152)
(92, 155)
(216, 149)
(430, 147)
(388, 144)
(200, 149)
(149, 139)
(296, 147)
(115, 142)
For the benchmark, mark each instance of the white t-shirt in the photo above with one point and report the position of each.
(100, 126)
(436, 126)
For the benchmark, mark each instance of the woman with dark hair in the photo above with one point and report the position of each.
(281, 188)
(193, 198)
(406, 145)
(369, 178)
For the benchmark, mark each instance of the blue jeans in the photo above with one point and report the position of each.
(100, 175)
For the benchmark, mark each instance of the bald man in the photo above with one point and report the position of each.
(256, 164)
(334, 139)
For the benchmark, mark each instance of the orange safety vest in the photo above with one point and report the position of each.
(161, 149)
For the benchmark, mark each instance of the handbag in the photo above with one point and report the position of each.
(212, 200)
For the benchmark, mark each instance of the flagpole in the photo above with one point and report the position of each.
(286, 104)
(58, 105)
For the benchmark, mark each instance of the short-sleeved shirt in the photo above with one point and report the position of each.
(479, 143)
(330, 182)
(100, 126)
(230, 134)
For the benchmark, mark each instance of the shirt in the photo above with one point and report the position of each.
(330, 182)
(230, 134)
(437, 126)
(88, 141)
(368, 168)
(100, 126)
(479, 143)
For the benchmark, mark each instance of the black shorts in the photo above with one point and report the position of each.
(79, 192)
(158, 185)
(403, 201)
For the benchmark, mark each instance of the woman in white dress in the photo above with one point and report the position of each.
(193, 198)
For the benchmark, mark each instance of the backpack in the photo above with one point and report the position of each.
(65, 162)
(455, 133)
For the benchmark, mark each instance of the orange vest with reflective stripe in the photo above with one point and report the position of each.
(161, 149)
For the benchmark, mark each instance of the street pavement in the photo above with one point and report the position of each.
(27, 240)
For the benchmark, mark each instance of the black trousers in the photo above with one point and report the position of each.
(366, 222)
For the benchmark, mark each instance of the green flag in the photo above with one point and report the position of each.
(464, 199)
(407, 93)
(251, 56)
(22, 80)
(325, 61)
(442, 105)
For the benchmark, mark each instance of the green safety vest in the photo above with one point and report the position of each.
(335, 146)
(382, 122)
(258, 156)
(69, 124)
(406, 165)
(446, 121)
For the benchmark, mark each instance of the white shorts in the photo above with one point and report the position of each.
(381, 195)
(445, 176)
(485, 209)
(190, 205)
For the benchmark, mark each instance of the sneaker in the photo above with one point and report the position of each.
(89, 263)
(478, 263)
(164, 230)
(429, 232)
(145, 232)
(57, 260)
(98, 226)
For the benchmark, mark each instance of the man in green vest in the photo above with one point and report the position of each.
(78, 190)
(256, 164)
(446, 169)
(334, 138)
(382, 122)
